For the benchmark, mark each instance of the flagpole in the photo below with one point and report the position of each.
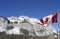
(58, 24)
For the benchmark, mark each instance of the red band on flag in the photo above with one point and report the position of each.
(54, 18)
(42, 21)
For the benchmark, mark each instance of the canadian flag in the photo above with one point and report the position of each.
(46, 19)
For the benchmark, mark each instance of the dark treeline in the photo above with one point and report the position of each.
(5, 36)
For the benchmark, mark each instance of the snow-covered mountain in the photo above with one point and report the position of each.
(25, 25)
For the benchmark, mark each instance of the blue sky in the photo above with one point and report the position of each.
(32, 8)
